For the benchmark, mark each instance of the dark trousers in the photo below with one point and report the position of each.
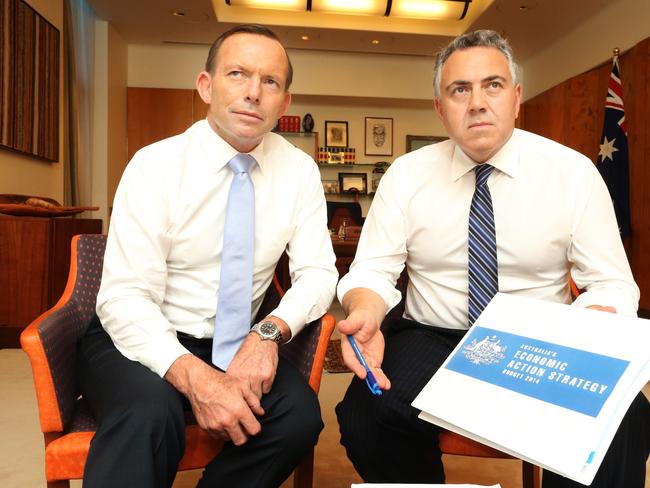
(387, 442)
(141, 437)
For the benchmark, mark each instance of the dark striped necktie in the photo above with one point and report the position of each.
(483, 277)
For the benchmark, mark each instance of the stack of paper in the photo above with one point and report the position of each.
(402, 485)
(544, 382)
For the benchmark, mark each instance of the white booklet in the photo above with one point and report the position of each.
(544, 382)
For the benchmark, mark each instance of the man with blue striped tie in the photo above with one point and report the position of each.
(199, 223)
(491, 209)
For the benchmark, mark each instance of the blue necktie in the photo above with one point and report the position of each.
(233, 319)
(482, 270)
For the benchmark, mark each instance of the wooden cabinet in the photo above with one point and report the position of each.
(34, 264)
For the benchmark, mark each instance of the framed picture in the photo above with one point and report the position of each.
(353, 182)
(336, 133)
(379, 136)
(416, 142)
(29, 81)
(330, 186)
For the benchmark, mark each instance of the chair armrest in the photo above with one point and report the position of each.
(307, 350)
(55, 390)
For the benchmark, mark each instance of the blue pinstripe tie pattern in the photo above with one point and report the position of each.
(233, 320)
(482, 270)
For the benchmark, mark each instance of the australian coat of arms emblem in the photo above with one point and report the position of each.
(486, 351)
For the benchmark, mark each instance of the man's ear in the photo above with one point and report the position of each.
(204, 86)
(285, 104)
(518, 91)
(438, 106)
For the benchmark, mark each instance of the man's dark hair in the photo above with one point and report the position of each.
(256, 29)
(479, 38)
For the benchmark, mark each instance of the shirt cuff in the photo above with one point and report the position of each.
(608, 298)
(159, 354)
(373, 281)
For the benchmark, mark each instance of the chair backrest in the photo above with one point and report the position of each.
(337, 211)
(56, 389)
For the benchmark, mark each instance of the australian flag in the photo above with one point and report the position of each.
(612, 157)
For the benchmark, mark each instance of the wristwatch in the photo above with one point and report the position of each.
(268, 331)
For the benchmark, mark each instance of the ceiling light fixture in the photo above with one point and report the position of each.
(414, 9)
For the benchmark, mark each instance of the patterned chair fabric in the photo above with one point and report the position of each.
(50, 342)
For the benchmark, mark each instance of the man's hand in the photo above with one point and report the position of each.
(365, 311)
(223, 405)
(255, 364)
(602, 308)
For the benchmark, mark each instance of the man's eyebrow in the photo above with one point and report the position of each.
(493, 78)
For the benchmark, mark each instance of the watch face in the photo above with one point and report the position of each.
(268, 328)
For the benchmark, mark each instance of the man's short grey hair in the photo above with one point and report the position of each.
(479, 38)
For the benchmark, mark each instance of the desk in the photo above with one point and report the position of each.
(345, 249)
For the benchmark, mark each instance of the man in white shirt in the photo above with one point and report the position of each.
(553, 219)
(147, 358)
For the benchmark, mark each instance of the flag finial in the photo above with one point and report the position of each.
(617, 51)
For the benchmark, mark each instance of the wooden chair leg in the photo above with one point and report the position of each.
(303, 475)
(58, 484)
(530, 475)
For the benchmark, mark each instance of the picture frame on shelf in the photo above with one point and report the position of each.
(416, 142)
(336, 133)
(379, 136)
(353, 182)
(330, 187)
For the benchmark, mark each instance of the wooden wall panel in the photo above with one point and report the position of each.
(199, 109)
(572, 113)
(156, 113)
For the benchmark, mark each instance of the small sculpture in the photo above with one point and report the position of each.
(307, 123)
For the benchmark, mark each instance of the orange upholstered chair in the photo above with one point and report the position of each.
(66, 422)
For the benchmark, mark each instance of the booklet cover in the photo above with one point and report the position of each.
(544, 382)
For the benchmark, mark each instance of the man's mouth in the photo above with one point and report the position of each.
(247, 114)
(479, 125)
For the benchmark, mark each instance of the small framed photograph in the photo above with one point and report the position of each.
(416, 142)
(334, 157)
(379, 136)
(353, 182)
(330, 187)
(336, 133)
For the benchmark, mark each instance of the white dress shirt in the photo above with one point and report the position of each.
(162, 261)
(553, 216)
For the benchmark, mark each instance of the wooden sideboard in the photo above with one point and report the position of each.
(34, 265)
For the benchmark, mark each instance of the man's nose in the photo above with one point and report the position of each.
(477, 100)
(253, 90)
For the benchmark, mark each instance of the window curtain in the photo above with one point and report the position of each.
(79, 28)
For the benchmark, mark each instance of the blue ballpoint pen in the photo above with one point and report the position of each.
(370, 378)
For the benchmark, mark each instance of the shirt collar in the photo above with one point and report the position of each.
(220, 152)
(505, 160)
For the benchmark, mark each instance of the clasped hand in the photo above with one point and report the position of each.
(226, 404)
